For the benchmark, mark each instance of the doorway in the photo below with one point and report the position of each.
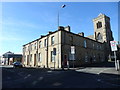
(27, 59)
(34, 59)
(65, 60)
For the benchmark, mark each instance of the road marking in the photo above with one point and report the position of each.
(56, 84)
(103, 70)
(98, 80)
(93, 70)
(20, 73)
(49, 71)
(27, 76)
(34, 82)
(40, 78)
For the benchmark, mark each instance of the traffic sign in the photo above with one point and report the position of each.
(113, 45)
(72, 49)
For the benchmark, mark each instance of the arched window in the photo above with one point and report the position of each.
(99, 24)
(99, 37)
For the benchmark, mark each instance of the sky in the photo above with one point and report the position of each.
(23, 22)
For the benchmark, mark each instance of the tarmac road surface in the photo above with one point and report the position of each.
(88, 77)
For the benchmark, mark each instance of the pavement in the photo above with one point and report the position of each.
(106, 72)
(6, 66)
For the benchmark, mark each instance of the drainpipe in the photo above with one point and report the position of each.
(29, 54)
(58, 48)
(37, 53)
(47, 51)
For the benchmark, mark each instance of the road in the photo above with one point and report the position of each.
(88, 77)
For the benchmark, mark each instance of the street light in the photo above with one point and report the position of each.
(59, 12)
(58, 31)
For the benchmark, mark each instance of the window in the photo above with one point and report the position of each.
(102, 59)
(71, 38)
(45, 42)
(40, 59)
(100, 47)
(31, 47)
(35, 46)
(28, 48)
(86, 57)
(24, 58)
(97, 47)
(40, 44)
(99, 37)
(31, 57)
(52, 56)
(85, 45)
(99, 58)
(94, 58)
(93, 45)
(99, 25)
(27, 59)
(24, 49)
(52, 40)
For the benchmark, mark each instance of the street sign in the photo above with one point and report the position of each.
(72, 49)
(113, 45)
(114, 48)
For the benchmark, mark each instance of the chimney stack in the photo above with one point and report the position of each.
(60, 28)
(50, 32)
(67, 28)
(42, 36)
(81, 34)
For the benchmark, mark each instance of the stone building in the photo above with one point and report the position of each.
(92, 49)
(8, 58)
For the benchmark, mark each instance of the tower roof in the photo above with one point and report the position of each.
(101, 14)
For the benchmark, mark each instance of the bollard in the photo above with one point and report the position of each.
(118, 67)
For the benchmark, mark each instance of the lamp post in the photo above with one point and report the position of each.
(58, 19)
(59, 13)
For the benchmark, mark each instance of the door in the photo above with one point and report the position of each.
(34, 59)
(27, 59)
(65, 60)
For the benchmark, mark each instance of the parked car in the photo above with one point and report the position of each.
(17, 64)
